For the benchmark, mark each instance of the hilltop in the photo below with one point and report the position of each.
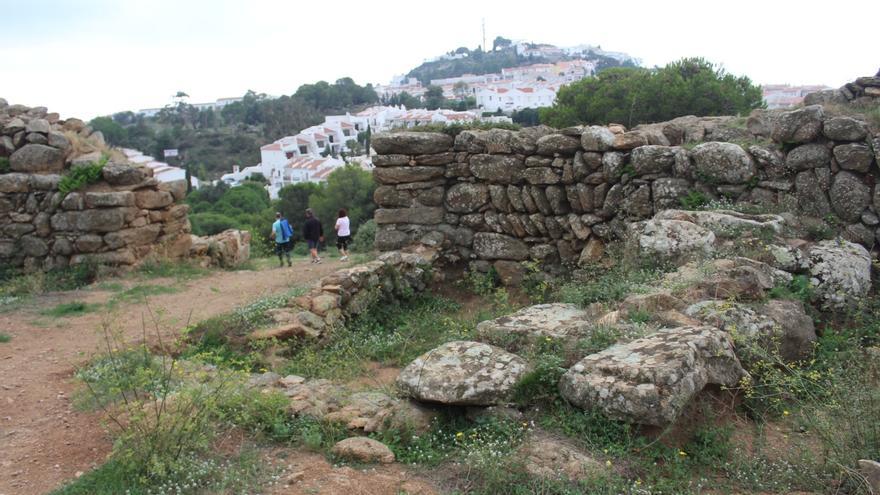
(506, 54)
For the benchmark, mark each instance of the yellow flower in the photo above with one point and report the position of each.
(608, 463)
(785, 413)
(459, 434)
(682, 453)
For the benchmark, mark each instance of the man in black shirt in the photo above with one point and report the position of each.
(313, 233)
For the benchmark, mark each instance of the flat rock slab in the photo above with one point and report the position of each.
(363, 449)
(542, 320)
(651, 380)
(462, 373)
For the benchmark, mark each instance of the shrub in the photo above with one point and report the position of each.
(693, 200)
(365, 237)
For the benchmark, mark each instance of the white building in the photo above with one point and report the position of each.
(509, 97)
(417, 117)
(162, 171)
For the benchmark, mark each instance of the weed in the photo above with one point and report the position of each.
(608, 284)
(481, 284)
(693, 200)
(4, 165)
(82, 176)
(139, 293)
(799, 288)
(75, 308)
(536, 284)
(169, 269)
(24, 284)
(4, 338)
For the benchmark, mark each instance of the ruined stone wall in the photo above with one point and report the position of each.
(121, 219)
(500, 196)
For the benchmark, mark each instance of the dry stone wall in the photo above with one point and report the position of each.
(119, 220)
(501, 197)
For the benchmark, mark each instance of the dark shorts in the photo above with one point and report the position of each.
(343, 241)
(312, 244)
(283, 247)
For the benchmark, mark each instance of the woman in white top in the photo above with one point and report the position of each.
(343, 234)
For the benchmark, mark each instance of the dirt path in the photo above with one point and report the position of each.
(43, 439)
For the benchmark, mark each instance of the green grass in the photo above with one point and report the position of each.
(180, 270)
(5, 337)
(139, 293)
(393, 335)
(75, 308)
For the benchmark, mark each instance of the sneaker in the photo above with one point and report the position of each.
(343, 258)
(318, 260)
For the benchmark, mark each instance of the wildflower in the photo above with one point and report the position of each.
(682, 453)
(785, 413)
(459, 434)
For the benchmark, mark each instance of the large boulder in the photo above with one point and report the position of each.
(857, 157)
(650, 380)
(849, 196)
(500, 169)
(492, 246)
(808, 156)
(779, 325)
(404, 175)
(122, 174)
(840, 274)
(462, 373)
(652, 159)
(411, 143)
(844, 129)
(557, 144)
(37, 158)
(798, 126)
(558, 321)
(466, 197)
(722, 163)
(597, 138)
(671, 240)
(811, 197)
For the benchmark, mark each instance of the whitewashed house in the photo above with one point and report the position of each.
(510, 98)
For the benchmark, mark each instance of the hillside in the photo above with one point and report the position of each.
(481, 62)
(211, 142)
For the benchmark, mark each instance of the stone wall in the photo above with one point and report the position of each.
(499, 196)
(119, 220)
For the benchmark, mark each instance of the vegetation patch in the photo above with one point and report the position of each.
(81, 176)
(75, 308)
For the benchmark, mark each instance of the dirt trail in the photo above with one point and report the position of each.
(43, 439)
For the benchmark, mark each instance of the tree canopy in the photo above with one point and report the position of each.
(631, 96)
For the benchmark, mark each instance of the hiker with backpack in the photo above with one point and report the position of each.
(283, 238)
(313, 233)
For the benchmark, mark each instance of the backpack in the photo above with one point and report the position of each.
(286, 230)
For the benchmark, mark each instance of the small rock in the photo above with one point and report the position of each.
(363, 449)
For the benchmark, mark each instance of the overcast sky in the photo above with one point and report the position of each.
(86, 58)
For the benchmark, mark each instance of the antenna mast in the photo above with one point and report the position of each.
(484, 35)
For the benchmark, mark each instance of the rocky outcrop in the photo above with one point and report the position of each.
(348, 292)
(671, 240)
(650, 380)
(778, 326)
(462, 373)
(227, 249)
(840, 273)
(558, 321)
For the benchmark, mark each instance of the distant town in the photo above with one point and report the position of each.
(315, 152)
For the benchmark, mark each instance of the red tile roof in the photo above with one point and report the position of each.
(271, 147)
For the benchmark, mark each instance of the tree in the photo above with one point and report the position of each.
(294, 199)
(526, 117)
(434, 98)
(634, 96)
(348, 187)
(500, 43)
(114, 133)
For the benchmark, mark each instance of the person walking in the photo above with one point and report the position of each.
(313, 233)
(282, 239)
(343, 233)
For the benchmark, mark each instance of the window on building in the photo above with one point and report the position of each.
(346, 133)
(330, 138)
(289, 155)
(303, 150)
(320, 144)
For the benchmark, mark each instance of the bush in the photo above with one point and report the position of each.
(365, 237)
(211, 223)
